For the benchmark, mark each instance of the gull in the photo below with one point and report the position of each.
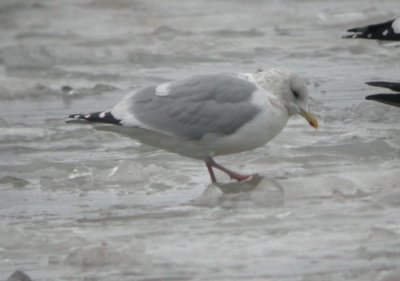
(391, 99)
(389, 30)
(209, 115)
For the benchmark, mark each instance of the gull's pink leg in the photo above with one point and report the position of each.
(210, 163)
(211, 172)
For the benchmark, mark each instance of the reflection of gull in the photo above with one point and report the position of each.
(389, 30)
(392, 99)
(209, 115)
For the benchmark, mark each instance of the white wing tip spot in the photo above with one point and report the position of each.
(87, 116)
(396, 25)
(385, 32)
(163, 89)
(102, 115)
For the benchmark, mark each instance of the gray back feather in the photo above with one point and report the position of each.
(202, 104)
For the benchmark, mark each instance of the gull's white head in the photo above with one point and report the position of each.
(290, 89)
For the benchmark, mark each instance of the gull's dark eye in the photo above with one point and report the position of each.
(296, 94)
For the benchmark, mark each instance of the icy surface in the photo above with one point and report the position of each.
(81, 204)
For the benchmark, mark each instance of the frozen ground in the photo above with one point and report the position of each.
(78, 204)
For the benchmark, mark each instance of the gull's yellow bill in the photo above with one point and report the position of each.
(310, 118)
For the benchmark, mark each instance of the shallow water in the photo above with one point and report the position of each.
(81, 204)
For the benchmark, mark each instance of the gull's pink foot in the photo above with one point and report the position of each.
(239, 177)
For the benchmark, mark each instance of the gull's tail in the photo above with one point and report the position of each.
(94, 117)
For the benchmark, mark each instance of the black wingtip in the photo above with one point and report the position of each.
(75, 118)
(381, 31)
(390, 99)
(394, 86)
(99, 117)
(358, 32)
(357, 29)
(370, 97)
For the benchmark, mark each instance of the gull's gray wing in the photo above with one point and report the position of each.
(191, 108)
